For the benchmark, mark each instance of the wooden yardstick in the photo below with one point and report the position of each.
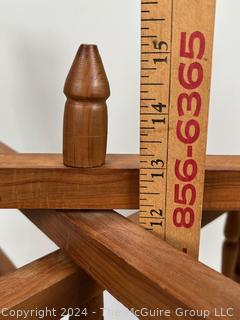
(176, 56)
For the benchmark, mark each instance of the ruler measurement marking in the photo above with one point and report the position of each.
(156, 52)
(176, 60)
(149, 141)
(147, 128)
(151, 217)
(151, 193)
(146, 168)
(154, 114)
(148, 69)
(153, 2)
(150, 36)
(168, 122)
(153, 20)
(159, 64)
(153, 84)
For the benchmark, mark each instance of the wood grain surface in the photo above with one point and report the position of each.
(237, 268)
(188, 150)
(231, 248)
(94, 309)
(42, 181)
(91, 296)
(6, 265)
(50, 282)
(85, 116)
(113, 251)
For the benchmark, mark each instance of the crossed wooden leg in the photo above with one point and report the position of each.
(53, 281)
(237, 269)
(111, 249)
(231, 247)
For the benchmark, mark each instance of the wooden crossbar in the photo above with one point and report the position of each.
(52, 282)
(111, 249)
(42, 181)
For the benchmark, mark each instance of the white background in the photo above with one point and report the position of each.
(38, 41)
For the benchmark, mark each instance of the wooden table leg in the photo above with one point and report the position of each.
(231, 245)
(237, 268)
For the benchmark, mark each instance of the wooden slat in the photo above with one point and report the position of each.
(50, 282)
(41, 181)
(84, 294)
(222, 187)
(111, 249)
(6, 265)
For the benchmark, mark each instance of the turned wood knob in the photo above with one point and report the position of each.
(85, 116)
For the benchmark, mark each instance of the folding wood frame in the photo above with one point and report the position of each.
(109, 251)
(110, 248)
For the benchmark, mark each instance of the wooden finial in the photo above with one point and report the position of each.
(85, 117)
